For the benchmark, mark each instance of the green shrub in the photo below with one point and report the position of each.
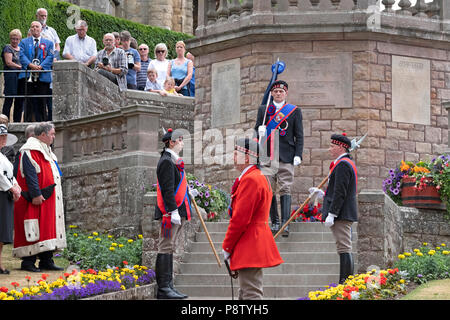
(19, 15)
(100, 251)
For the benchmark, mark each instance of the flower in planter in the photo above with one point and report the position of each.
(426, 175)
(212, 199)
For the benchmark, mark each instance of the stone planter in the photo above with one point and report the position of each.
(426, 198)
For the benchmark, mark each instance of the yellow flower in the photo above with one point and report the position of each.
(122, 287)
(425, 243)
(140, 236)
(416, 250)
(401, 256)
(443, 244)
(90, 237)
(438, 248)
(98, 239)
(402, 281)
(113, 244)
(120, 245)
(407, 254)
(431, 252)
(110, 236)
(72, 226)
(420, 254)
(112, 248)
(75, 235)
(130, 240)
(445, 252)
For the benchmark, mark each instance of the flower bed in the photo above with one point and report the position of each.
(373, 285)
(100, 251)
(309, 213)
(426, 263)
(83, 284)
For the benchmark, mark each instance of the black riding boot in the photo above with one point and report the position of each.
(163, 272)
(274, 215)
(285, 203)
(183, 296)
(346, 266)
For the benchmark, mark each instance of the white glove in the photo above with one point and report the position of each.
(262, 131)
(329, 221)
(175, 217)
(193, 192)
(297, 160)
(226, 255)
(316, 193)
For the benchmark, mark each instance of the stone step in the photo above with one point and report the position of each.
(283, 246)
(223, 292)
(293, 237)
(288, 257)
(268, 279)
(293, 227)
(284, 268)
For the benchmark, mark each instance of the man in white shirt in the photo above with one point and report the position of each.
(48, 32)
(80, 46)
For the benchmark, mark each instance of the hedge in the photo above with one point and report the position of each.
(16, 14)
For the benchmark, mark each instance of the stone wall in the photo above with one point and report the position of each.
(386, 230)
(175, 15)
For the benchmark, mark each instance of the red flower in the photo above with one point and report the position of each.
(44, 276)
(125, 262)
(15, 284)
(4, 289)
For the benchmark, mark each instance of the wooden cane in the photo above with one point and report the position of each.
(206, 231)
(299, 209)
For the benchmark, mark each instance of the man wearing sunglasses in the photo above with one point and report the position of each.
(141, 76)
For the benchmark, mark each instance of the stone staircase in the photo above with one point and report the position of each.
(310, 263)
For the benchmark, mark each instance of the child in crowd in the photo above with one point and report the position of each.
(152, 85)
(169, 87)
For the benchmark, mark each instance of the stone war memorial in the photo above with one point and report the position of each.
(352, 66)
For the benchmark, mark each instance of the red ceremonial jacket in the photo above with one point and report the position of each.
(248, 238)
(49, 214)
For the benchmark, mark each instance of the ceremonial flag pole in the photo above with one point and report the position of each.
(206, 231)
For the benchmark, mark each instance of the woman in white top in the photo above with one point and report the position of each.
(160, 63)
(181, 70)
(9, 192)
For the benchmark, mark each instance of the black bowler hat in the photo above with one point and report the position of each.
(279, 84)
(247, 146)
(341, 140)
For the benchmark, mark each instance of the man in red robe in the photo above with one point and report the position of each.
(39, 221)
(249, 243)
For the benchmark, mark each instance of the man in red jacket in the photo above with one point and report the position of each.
(249, 245)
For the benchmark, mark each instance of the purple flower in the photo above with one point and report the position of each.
(396, 191)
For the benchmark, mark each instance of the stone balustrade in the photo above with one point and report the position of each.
(222, 16)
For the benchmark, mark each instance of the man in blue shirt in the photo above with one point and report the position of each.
(133, 57)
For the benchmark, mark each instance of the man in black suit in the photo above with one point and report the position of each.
(339, 204)
(284, 120)
(173, 208)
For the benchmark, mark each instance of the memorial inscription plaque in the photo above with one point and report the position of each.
(318, 79)
(226, 93)
(411, 90)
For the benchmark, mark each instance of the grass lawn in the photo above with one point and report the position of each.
(432, 290)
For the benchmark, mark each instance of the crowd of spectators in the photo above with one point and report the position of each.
(122, 60)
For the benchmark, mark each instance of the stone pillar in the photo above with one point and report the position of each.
(379, 230)
(447, 107)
